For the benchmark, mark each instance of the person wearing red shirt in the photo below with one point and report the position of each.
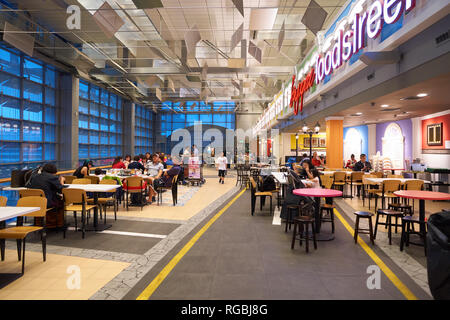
(351, 163)
(316, 161)
(118, 163)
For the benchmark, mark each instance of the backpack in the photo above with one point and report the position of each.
(29, 175)
(18, 178)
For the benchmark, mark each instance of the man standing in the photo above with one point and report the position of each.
(221, 163)
(362, 164)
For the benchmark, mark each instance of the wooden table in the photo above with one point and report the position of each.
(422, 196)
(318, 193)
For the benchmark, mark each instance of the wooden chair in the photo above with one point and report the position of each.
(276, 190)
(81, 181)
(20, 233)
(413, 185)
(31, 193)
(369, 189)
(69, 179)
(173, 187)
(327, 181)
(394, 176)
(339, 180)
(356, 180)
(301, 223)
(104, 202)
(3, 201)
(378, 174)
(388, 188)
(94, 179)
(134, 185)
(75, 200)
(261, 195)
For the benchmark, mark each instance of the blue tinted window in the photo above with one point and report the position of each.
(83, 121)
(220, 118)
(83, 106)
(32, 151)
(50, 153)
(83, 136)
(32, 111)
(50, 77)
(9, 85)
(94, 109)
(9, 130)
(32, 91)
(206, 118)
(10, 62)
(32, 132)
(95, 93)
(50, 96)
(50, 133)
(93, 137)
(33, 71)
(9, 152)
(84, 90)
(9, 108)
(83, 151)
(50, 115)
(94, 123)
(93, 151)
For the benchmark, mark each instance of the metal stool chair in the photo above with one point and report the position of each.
(290, 209)
(407, 223)
(301, 222)
(363, 215)
(388, 223)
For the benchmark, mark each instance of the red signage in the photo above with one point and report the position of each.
(297, 93)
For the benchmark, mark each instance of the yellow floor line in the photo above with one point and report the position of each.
(146, 294)
(388, 272)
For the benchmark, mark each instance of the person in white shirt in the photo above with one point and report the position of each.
(313, 182)
(195, 150)
(221, 163)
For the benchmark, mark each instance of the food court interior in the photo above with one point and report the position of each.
(219, 149)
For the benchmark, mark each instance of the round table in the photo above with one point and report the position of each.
(422, 196)
(318, 193)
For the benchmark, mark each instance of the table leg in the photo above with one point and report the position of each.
(317, 213)
(96, 226)
(422, 214)
(321, 236)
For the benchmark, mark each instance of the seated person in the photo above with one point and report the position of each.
(169, 161)
(167, 177)
(351, 163)
(154, 167)
(83, 171)
(127, 161)
(316, 161)
(135, 164)
(51, 184)
(305, 172)
(315, 181)
(362, 164)
(161, 160)
(118, 163)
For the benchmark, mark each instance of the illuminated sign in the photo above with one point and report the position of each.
(297, 93)
(349, 42)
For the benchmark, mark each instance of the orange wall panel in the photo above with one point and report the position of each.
(335, 143)
(445, 120)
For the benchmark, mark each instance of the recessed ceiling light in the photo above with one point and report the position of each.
(359, 113)
(422, 95)
(385, 106)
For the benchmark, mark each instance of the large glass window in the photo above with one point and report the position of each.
(143, 129)
(29, 110)
(100, 135)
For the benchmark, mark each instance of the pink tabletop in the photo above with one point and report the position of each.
(317, 192)
(422, 195)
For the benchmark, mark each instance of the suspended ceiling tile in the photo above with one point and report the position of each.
(262, 19)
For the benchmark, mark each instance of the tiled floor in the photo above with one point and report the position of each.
(48, 280)
(245, 257)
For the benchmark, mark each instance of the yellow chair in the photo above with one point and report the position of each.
(394, 176)
(82, 181)
(104, 202)
(356, 180)
(388, 188)
(327, 181)
(3, 201)
(94, 179)
(134, 185)
(20, 233)
(369, 188)
(31, 193)
(339, 180)
(69, 179)
(75, 200)
(378, 174)
(413, 185)
(262, 195)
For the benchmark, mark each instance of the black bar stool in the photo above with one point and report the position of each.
(302, 223)
(293, 210)
(408, 223)
(329, 208)
(389, 214)
(364, 215)
(405, 208)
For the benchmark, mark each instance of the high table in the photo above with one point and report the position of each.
(95, 189)
(422, 196)
(318, 193)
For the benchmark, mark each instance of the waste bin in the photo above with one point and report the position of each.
(438, 255)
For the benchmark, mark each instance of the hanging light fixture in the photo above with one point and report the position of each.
(317, 128)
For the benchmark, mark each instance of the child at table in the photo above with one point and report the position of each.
(313, 182)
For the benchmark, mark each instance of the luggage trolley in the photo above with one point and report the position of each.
(195, 171)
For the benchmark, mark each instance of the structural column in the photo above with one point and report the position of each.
(68, 150)
(335, 142)
(128, 127)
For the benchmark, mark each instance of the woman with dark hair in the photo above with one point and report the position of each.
(127, 161)
(306, 171)
(148, 157)
(83, 171)
(118, 163)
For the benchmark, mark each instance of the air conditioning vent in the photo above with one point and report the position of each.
(411, 98)
(390, 109)
(442, 38)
